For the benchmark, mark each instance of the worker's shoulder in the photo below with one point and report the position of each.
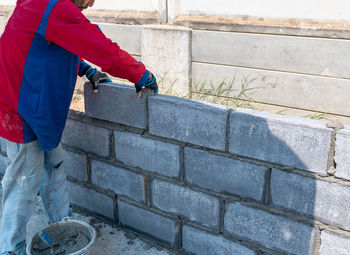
(65, 9)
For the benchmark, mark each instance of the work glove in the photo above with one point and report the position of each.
(95, 77)
(151, 83)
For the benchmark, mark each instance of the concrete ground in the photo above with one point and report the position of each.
(111, 240)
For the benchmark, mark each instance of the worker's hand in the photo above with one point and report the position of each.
(96, 77)
(151, 83)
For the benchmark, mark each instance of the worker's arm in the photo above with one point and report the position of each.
(70, 29)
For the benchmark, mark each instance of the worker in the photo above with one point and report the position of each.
(42, 50)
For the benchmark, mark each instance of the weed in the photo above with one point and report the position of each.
(316, 116)
(232, 93)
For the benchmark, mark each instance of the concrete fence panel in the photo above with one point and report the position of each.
(272, 52)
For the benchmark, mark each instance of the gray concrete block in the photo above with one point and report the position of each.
(334, 244)
(91, 200)
(154, 156)
(3, 144)
(119, 180)
(195, 206)
(269, 230)
(75, 165)
(87, 137)
(286, 140)
(150, 223)
(128, 37)
(327, 202)
(197, 241)
(273, 52)
(277, 88)
(225, 175)
(4, 163)
(188, 121)
(342, 154)
(115, 103)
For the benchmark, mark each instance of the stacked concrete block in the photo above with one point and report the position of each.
(148, 154)
(328, 202)
(271, 231)
(148, 222)
(342, 154)
(197, 241)
(116, 103)
(334, 243)
(91, 200)
(289, 141)
(118, 180)
(226, 175)
(75, 165)
(204, 180)
(188, 121)
(87, 137)
(195, 206)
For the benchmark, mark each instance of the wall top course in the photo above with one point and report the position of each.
(167, 27)
(290, 120)
(345, 131)
(189, 103)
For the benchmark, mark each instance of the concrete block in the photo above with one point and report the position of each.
(269, 230)
(166, 50)
(327, 202)
(3, 145)
(273, 52)
(188, 121)
(119, 180)
(197, 241)
(225, 175)
(334, 244)
(180, 200)
(153, 156)
(278, 88)
(87, 137)
(4, 163)
(342, 154)
(128, 37)
(150, 223)
(286, 140)
(75, 165)
(91, 200)
(116, 103)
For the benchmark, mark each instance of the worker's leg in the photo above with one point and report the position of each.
(20, 184)
(53, 188)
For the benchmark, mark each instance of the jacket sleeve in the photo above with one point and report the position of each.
(70, 29)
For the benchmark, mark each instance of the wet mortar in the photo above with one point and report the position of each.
(67, 238)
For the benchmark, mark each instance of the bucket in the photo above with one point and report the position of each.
(69, 237)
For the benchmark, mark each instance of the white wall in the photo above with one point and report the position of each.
(8, 2)
(298, 9)
(335, 10)
(131, 5)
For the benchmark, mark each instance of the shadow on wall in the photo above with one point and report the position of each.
(288, 146)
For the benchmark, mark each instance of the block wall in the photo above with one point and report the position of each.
(202, 179)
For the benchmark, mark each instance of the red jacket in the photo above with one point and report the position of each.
(39, 61)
